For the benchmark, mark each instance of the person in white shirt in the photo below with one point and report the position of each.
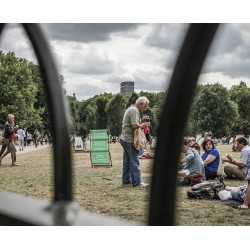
(238, 169)
(21, 134)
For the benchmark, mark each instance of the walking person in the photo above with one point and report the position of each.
(131, 120)
(25, 137)
(5, 143)
(36, 135)
(21, 135)
(9, 135)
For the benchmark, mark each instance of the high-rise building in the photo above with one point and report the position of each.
(127, 88)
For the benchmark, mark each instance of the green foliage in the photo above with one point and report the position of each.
(213, 110)
(132, 99)
(240, 94)
(18, 91)
(115, 112)
(224, 112)
(87, 118)
(101, 114)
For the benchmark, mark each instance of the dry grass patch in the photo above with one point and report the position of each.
(99, 189)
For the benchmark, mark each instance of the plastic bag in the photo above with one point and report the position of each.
(225, 195)
(140, 140)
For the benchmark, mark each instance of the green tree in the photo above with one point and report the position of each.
(240, 94)
(213, 110)
(87, 116)
(101, 114)
(74, 114)
(18, 91)
(115, 112)
(132, 99)
(41, 98)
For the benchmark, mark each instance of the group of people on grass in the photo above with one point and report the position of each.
(207, 163)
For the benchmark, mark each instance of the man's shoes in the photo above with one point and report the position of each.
(142, 185)
(15, 164)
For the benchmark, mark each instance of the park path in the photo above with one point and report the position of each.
(29, 149)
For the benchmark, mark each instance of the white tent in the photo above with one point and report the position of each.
(78, 144)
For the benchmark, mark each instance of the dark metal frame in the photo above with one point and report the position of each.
(62, 210)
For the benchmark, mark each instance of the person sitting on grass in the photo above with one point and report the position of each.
(192, 160)
(211, 159)
(197, 147)
(238, 169)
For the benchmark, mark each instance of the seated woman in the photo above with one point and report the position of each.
(211, 159)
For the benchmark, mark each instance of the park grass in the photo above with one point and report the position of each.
(99, 189)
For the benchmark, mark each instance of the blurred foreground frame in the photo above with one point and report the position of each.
(19, 210)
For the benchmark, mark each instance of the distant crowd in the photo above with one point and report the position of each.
(12, 135)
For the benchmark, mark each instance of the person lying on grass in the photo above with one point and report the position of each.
(241, 194)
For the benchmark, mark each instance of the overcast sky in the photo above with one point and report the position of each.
(96, 58)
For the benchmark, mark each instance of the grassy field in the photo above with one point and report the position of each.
(99, 189)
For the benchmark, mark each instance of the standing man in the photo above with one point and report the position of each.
(5, 143)
(36, 135)
(131, 120)
(21, 134)
(9, 135)
(25, 137)
(238, 169)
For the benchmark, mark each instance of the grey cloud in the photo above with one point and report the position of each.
(230, 52)
(91, 66)
(88, 62)
(227, 40)
(166, 36)
(142, 84)
(230, 68)
(86, 33)
(14, 39)
(84, 89)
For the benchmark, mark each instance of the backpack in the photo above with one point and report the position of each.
(191, 179)
(205, 190)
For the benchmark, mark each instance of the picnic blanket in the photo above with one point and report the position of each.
(232, 203)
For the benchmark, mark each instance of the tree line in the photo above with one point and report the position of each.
(224, 112)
